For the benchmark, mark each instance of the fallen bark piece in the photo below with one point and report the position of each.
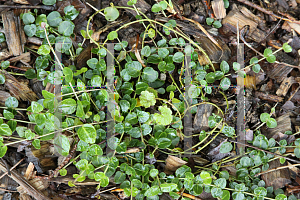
(283, 124)
(25, 57)
(285, 86)
(268, 97)
(18, 89)
(278, 178)
(235, 17)
(201, 117)
(279, 72)
(21, 1)
(173, 163)
(218, 8)
(12, 33)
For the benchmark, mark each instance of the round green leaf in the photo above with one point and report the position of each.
(62, 145)
(44, 49)
(226, 147)
(30, 30)
(264, 117)
(224, 67)
(54, 19)
(178, 57)
(225, 83)
(5, 130)
(271, 123)
(111, 13)
(49, 2)
(11, 102)
(210, 77)
(66, 28)
(28, 18)
(149, 74)
(68, 106)
(87, 133)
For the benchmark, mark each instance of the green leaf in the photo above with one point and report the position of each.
(112, 35)
(156, 8)
(62, 145)
(149, 74)
(119, 177)
(151, 33)
(206, 177)
(11, 102)
(287, 48)
(194, 91)
(111, 13)
(271, 123)
(30, 74)
(146, 51)
(217, 24)
(168, 187)
(66, 28)
(54, 19)
(36, 143)
(140, 87)
(49, 2)
(256, 68)
(28, 18)
(3, 150)
(224, 174)
(121, 148)
(264, 117)
(44, 49)
(70, 12)
(2, 79)
(63, 172)
(178, 57)
(269, 56)
(8, 115)
(297, 152)
(154, 190)
(95, 150)
(113, 142)
(147, 99)
(225, 83)
(221, 183)
(96, 81)
(68, 106)
(224, 67)
(63, 44)
(209, 21)
(68, 74)
(236, 66)
(210, 77)
(41, 62)
(36, 107)
(41, 18)
(30, 30)
(281, 197)
(2, 37)
(225, 195)
(226, 147)
(216, 192)
(164, 143)
(133, 68)
(5, 64)
(87, 133)
(163, 52)
(165, 116)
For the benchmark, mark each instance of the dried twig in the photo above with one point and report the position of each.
(30, 190)
(289, 18)
(27, 7)
(11, 168)
(277, 168)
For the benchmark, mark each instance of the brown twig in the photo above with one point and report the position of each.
(275, 154)
(277, 168)
(289, 18)
(11, 168)
(27, 7)
(18, 68)
(68, 158)
(30, 190)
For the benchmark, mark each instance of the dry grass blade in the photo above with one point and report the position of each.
(17, 89)
(204, 31)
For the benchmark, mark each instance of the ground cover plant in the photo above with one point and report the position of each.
(150, 100)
